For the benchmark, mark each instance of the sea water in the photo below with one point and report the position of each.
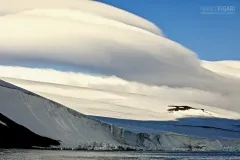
(87, 155)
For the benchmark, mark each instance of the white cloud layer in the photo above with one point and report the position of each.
(83, 6)
(225, 68)
(95, 36)
(115, 97)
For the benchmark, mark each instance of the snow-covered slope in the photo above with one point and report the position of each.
(125, 100)
(50, 119)
(74, 130)
(123, 104)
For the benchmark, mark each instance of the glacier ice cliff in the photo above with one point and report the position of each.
(74, 130)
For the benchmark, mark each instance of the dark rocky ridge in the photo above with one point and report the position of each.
(13, 135)
(182, 108)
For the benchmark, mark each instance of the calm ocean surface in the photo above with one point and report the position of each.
(80, 155)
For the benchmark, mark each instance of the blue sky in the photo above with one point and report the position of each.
(211, 36)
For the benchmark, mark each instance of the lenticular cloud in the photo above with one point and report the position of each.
(112, 42)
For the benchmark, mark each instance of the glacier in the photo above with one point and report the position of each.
(94, 77)
(78, 131)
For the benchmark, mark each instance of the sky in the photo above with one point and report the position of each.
(211, 36)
